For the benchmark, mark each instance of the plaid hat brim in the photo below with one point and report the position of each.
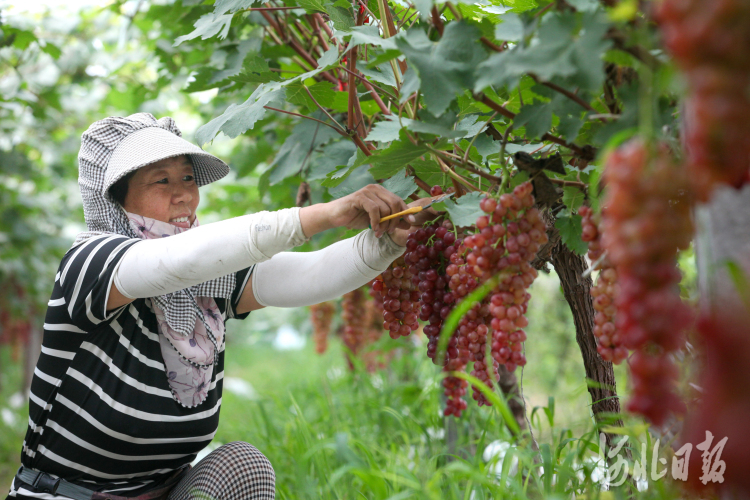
(151, 144)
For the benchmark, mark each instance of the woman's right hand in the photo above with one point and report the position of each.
(358, 210)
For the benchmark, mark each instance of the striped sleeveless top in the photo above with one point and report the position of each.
(101, 413)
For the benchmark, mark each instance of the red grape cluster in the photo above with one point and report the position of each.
(355, 321)
(400, 299)
(708, 39)
(604, 292)
(508, 239)
(321, 316)
(645, 222)
(429, 251)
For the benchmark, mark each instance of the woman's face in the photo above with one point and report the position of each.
(165, 191)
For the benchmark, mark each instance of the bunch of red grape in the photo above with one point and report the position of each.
(708, 39)
(508, 239)
(321, 316)
(421, 273)
(354, 315)
(645, 222)
(400, 299)
(604, 292)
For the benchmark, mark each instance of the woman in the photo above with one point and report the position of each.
(127, 389)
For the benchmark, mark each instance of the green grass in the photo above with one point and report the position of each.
(335, 434)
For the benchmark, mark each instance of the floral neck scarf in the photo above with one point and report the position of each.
(189, 360)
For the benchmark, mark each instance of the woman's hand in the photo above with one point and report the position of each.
(413, 221)
(365, 208)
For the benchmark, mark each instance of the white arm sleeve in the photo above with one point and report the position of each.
(293, 279)
(156, 267)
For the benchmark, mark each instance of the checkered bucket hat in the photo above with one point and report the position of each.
(115, 146)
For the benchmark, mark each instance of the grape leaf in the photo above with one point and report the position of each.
(486, 146)
(298, 146)
(585, 5)
(342, 18)
(341, 172)
(445, 68)
(381, 74)
(389, 161)
(570, 233)
(312, 5)
(561, 49)
(207, 26)
(385, 130)
(465, 210)
(357, 179)
(401, 185)
(471, 125)
(224, 6)
(511, 29)
(367, 35)
(536, 117)
(428, 171)
(238, 118)
(334, 154)
(573, 197)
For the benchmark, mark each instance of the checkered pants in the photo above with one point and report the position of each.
(235, 471)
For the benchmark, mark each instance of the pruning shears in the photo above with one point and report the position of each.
(414, 210)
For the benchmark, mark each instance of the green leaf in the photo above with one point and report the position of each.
(389, 161)
(364, 35)
(585, 5)
(465, 210)
(333, 155)
(573, 197)
(329, 57)
(386, 56)
(410, 85)
(511, 29)
(381, 74)
(21, 38)
(401, 185)
(298, 147)
(358, 179)
(312, 6)
(207, 26)
(561, 50)
(224, 6)
(445, 68)
(52, 50)
(341, 172)
(570, 233)
(296, 94)
(569, 127)
(323, 93)
(486, 146)
(342, 18)
(518, 178)
(385, 130)
(536, 117)
(428, 171)
(237, 119)
(244, 78)
(471, 125)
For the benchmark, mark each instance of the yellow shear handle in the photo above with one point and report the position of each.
(408, 211)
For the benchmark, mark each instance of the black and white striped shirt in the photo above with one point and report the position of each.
(101, 413)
